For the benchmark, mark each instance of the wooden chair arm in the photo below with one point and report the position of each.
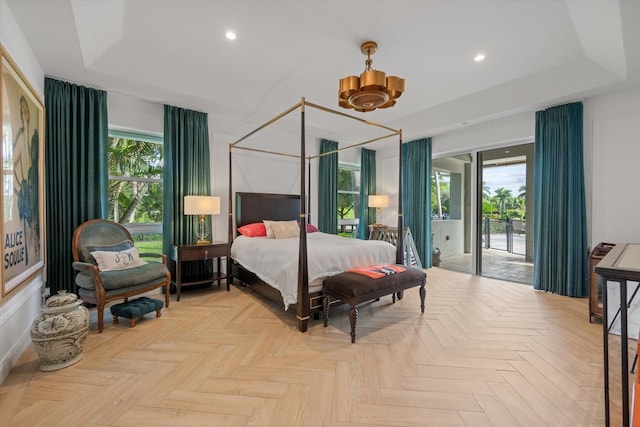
(95, 272)
(84, 266)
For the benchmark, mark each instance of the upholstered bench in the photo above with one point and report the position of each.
(135, 309)
(354, 288)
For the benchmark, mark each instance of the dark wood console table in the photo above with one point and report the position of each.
(621, 264)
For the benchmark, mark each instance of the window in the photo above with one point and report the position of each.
(348, 198)
(135, 186)
(440, 194)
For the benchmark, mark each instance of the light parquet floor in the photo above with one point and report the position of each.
(485, 353)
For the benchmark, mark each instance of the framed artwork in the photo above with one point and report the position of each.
(22, 195)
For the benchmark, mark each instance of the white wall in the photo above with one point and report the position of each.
(387, 183)
(611, 150)
(502, 132)
(448, 236)
(128, 113)
(257, 172)
(611, 153)
(612, 130)
(507, 131)
(252, 172)
(18, 312)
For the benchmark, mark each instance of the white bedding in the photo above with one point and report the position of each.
(275, 261)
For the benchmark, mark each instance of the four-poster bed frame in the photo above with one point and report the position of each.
(250, 207)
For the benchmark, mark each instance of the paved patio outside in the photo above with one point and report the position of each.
(497, 263)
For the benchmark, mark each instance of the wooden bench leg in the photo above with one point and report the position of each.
(353, 317)
(423, 292)
(158, 314)
(115, 319)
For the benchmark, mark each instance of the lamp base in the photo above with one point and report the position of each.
(203, 242)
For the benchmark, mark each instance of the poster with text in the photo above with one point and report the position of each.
(22, 180)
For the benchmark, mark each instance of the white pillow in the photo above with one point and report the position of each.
(118, 260)
(284, 229)
(267, 226)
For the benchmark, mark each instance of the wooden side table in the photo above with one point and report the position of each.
(191, 252)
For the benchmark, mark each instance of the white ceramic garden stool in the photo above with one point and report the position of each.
(58, 334)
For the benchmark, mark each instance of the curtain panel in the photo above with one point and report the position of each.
(367, 215)
(328, 188)
(187, 172)
(561, 248)
(416, 195)
(76, 146)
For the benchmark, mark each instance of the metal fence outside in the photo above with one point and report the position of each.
(499, 234)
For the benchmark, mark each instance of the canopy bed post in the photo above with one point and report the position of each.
(303, 273)
(309, 190)
(230, 231)
(400, 244)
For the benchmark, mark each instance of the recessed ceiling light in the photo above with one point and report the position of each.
(230, 35)
(479, 57)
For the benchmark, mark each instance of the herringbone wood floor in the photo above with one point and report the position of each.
(485, 353)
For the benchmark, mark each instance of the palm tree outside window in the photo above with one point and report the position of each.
(348, 198)
(135, 186)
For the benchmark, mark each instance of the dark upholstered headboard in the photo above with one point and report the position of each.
(255, 207)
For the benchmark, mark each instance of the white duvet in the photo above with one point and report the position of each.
(275, 261)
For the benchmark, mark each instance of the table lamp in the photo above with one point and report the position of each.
(378, 201)
(202, 205)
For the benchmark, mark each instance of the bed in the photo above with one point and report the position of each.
(275, 261)
(250, 208)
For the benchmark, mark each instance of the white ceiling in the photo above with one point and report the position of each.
(538, 53)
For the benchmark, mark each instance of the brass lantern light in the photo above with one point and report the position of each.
(373, 89)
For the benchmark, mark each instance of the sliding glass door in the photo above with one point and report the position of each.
(505, 207)
(451, 212)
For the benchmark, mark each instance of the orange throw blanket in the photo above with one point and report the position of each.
(377, 271)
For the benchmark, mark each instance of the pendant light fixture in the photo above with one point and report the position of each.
(373, 89)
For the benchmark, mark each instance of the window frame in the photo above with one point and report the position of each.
(352, 223)
(138, 229)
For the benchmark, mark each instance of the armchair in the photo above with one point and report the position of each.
(99, 283)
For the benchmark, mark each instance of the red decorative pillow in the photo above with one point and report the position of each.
(310, 228)
(257, 229)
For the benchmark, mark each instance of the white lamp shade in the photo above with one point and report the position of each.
(378, 201)
(201, 205)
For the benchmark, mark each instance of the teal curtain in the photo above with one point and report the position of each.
(328, 188)
(76, 146)
(367, 186)
(416, 195)
(187, 172)
(560, 221)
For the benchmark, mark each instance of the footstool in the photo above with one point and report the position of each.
(354, 288)
(135, 309)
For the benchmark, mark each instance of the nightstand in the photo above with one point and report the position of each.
(191, 252)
